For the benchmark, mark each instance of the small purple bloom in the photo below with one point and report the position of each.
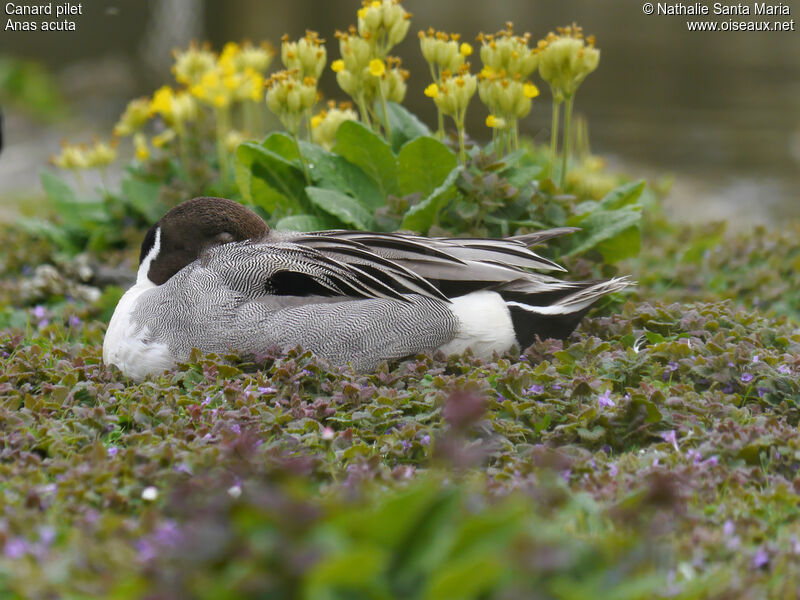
(566, 474)
(612, 470)
(670, 437)
(605, 399)
(39, 311)
(426, 440)
(760, 558)
(747, 377)
(730, 364)
(406, 444)
(728, 529)
(206, 402)
(43, 323)
(536, 389)
(74, 321)
(755, 358)
(266, 390)
(556, 386)
(146, 550)
(784, 370)
(761, 391)
(672, 366)
(727, 388)
(112, 450)
(15, 548)
(236, 429)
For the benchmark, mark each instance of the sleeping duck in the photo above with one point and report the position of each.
(213, 276)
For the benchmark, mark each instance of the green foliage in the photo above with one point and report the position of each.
(27, 86)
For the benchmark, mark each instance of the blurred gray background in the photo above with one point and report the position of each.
(719, 111)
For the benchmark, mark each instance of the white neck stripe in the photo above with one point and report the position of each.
(144, 268)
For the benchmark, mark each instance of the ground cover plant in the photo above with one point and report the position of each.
(653, 454)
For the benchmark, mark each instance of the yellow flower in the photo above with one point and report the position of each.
(162, 101)
(135, 116)
(362, 12)
(495, 122)
(337, 65)
(140, 144)
(164, 138)
(317, 119)
(530, 90)
(375, 4)
(101, 154)
(432, 90)
(71, 157)
(465, 49)
(191, 64)
(377, 67)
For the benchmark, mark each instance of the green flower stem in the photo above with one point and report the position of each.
(300, 156)
(308, 123)
(554, 136)
(515, 134)
(566, 142)
(222, 117)
(439, 115)
(462, 150)
(388, 129)
(362, 108)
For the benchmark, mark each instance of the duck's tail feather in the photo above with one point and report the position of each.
(555, 313)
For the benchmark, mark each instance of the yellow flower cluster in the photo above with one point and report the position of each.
(365, 72)
(566, 58)
(290, 97)
(136, 114)
(237, 75)
(504, 87)
(308, 55)
(443, 51)
(176, 108)
(453, 92)
(384, 24)
(325, 123)
(79, 156)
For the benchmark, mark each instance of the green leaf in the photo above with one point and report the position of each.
(305, 223)
(604, 225)
(624, 245)
(464, 579)
(268, 180)
(74, 211)
(281, 144)
(365, 149)
(421, 216)
(405, 126)
(423, 164)
(624, 195)
(332, 171)
(345, 208)
(353, 568)
(522, 175)
(143, 196)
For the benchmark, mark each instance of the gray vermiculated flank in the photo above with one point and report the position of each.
(218, 304)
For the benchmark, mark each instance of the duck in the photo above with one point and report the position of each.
(212, 275)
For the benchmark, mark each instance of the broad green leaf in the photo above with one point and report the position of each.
(624, 195)
(143, 196)
(421, 216)
(604, 225)
(422, 165)
(522, 175)
(464, 579)
(365, 149)
(282, 145)
(73, 211)
(345, 208)
(405, 126)
(332, 171)
(352, 568)
(624, 245)
(268, 180)
(305, 223)
(59, 236)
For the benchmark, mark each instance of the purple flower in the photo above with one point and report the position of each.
(146, 550)
(612, 470)
(167, 534)
(406, 444)
(760, 558)
(267, 390)
(236, 429)
(15, 548)
(74, 321)
(747, 377)
(39, 311)
(670, 437)
(112, 450)
(761, 391)
(605, 399)
(728, 529)
(43, 323)
(556, 386)
(755, 358)
(784, 370)
(536, 389)
(425, 440)
(672, 366)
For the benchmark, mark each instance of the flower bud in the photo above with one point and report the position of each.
(133, 119)
(325, 124)
(565, 61)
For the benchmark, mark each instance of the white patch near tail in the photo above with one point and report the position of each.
(486, 325)
(579, 300)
